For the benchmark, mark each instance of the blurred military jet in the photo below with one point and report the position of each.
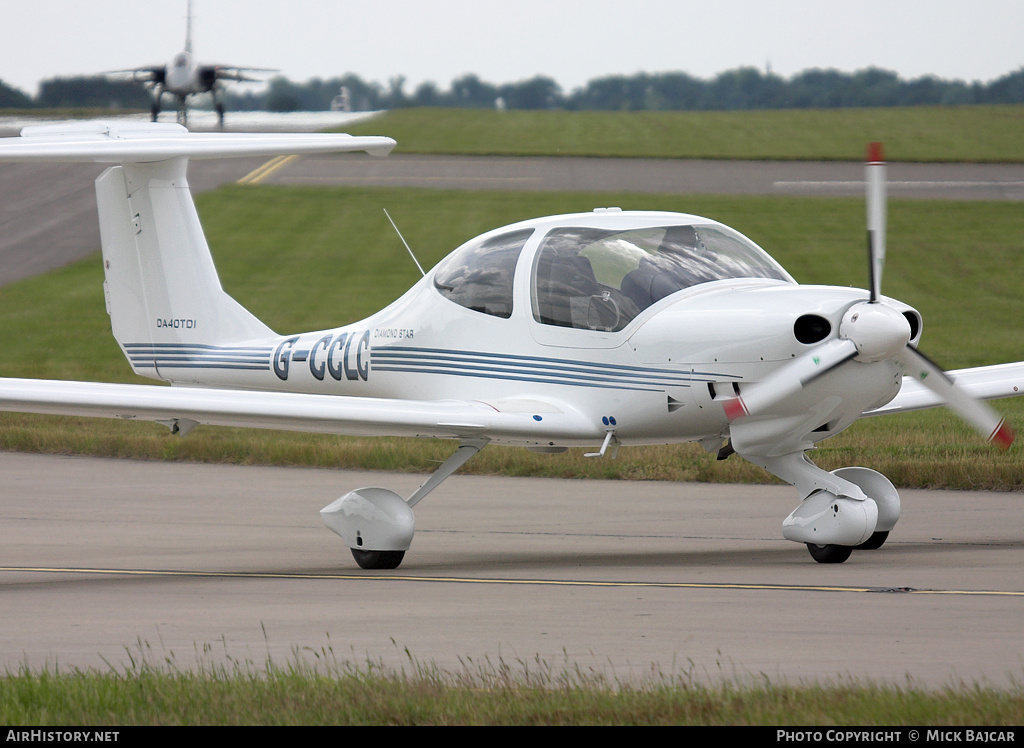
(183, 76)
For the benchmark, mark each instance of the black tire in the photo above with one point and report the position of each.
(874, 542)
(829, 554)
(377, 559)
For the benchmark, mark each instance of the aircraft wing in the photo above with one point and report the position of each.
(128, 142)
(147, 74)
(217, 72)
(228, 74)
(229, 71)
(982, 383)
(510, 421)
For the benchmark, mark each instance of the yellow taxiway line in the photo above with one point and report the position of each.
(369, 576)
(266, 170)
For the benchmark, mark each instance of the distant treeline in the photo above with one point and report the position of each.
(742, 88)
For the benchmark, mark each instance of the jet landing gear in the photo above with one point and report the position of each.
(378, 524)
(218, 107)
(182, 116)
(852, 508)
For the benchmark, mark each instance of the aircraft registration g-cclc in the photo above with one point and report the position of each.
(606, 328)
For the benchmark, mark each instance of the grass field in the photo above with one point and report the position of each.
(530, 693)
(310, 258)
(974, 133)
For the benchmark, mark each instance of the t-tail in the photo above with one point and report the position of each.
(162, 290)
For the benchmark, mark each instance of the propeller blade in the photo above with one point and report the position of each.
(870, 333)
(789, 379)
(874, 169)
(980, 415)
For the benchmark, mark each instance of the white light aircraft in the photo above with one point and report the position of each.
(183, 76)
(606, 328)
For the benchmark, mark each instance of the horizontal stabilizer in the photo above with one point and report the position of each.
(145, 142)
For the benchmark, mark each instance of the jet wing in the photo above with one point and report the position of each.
(211, 72)
(238, 73)
(147, 74)
(228, 74)
(983, 383)
(510, 421)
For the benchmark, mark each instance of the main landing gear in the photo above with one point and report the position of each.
(378, 559)
(378, 524)
(182, 117)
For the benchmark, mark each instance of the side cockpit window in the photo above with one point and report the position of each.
(479, 275)
(600, 279)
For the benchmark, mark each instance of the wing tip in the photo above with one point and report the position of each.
(875, 154)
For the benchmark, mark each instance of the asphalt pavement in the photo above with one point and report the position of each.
(105, 561)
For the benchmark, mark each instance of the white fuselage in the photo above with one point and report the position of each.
(662, 377)
(182, 76)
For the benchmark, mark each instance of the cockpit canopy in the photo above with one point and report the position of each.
(598, 278)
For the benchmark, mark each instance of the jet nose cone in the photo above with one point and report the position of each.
(879, 331)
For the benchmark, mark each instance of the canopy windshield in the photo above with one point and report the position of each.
(601, 279)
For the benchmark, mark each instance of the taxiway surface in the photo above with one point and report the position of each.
(104, 560)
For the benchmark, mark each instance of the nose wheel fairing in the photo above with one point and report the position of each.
(848, 508)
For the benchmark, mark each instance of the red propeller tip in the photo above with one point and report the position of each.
(1003, 436)
(734, 409)
(874, 154)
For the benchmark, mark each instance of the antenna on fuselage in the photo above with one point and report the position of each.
(404, 242)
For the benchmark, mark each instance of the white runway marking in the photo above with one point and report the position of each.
(858, 185)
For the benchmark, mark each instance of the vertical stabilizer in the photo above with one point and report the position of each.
(188, 29)
(161, 285)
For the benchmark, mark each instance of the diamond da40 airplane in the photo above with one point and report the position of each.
(606, 328)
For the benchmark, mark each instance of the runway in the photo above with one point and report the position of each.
(658, 176)
(104, 560)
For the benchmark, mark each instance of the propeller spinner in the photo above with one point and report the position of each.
(871, 331)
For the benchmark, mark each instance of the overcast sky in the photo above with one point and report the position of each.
(571, 41)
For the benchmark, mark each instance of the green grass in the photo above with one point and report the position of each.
(311, 258)
(967, 133)
(533, 692)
